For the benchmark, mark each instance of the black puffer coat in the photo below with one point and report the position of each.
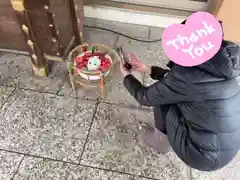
(203, 121)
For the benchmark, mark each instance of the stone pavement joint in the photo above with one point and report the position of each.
(66, 162)
(1, 105)
(90, 127)
(17, 168)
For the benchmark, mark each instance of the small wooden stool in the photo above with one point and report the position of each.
(87, 78)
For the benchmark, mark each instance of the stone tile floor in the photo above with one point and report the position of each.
(48, 134)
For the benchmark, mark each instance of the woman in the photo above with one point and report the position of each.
(196, 109)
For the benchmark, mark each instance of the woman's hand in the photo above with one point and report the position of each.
(138, 65)
(124, 71)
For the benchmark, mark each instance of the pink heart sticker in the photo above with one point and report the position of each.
(195, 42)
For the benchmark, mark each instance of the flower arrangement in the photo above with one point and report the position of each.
(93, 60)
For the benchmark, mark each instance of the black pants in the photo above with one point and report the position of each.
(160, 114)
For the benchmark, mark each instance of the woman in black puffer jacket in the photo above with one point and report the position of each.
(197, 109)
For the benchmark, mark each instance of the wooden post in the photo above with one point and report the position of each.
(77, 18)
(50, 29)
(39, 63)
(214, 6)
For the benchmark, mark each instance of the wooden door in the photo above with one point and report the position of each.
(51, 25)
(47, 29)
(10, 32)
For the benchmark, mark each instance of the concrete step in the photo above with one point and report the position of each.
(163, 18)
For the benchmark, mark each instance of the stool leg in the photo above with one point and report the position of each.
(102, 87)
(72, 83)
(71, 77)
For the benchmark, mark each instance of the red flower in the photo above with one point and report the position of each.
(82, 61)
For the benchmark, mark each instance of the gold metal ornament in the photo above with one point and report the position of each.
(54, 40)
(25, 29)
(34, 57)
(46, 7)
(81, 34)
(18, 5)
(30, 44)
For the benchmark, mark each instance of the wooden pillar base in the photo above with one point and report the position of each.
(40, 71)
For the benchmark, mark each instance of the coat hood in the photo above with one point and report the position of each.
(226, 63)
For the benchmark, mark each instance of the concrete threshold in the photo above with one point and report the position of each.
(161, 18)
